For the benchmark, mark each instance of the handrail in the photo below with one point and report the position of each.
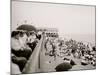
(32, 66)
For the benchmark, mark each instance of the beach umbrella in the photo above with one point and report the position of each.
(27, 27)
(63, 67)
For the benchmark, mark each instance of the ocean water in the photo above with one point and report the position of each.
(89, 38)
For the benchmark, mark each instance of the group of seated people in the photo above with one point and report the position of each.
(61, 48)
(23, 44)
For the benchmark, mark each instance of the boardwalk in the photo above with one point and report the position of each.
(38, 62)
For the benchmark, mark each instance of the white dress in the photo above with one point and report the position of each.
(15, 69)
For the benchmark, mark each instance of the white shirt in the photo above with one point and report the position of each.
(15, 44)
(19, 44)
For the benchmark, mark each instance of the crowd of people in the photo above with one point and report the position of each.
(62, 48)
(23, 44)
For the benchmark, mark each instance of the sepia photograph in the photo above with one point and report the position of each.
(52, 37)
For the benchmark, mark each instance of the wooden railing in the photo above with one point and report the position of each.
(33, 64)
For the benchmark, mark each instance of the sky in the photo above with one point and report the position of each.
(68, 19)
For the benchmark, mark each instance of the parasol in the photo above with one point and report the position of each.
(63, 67)
(27, 27)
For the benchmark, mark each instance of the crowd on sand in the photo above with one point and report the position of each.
(22, 46)
(57, 47)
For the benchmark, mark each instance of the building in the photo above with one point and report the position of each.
(49, 32)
